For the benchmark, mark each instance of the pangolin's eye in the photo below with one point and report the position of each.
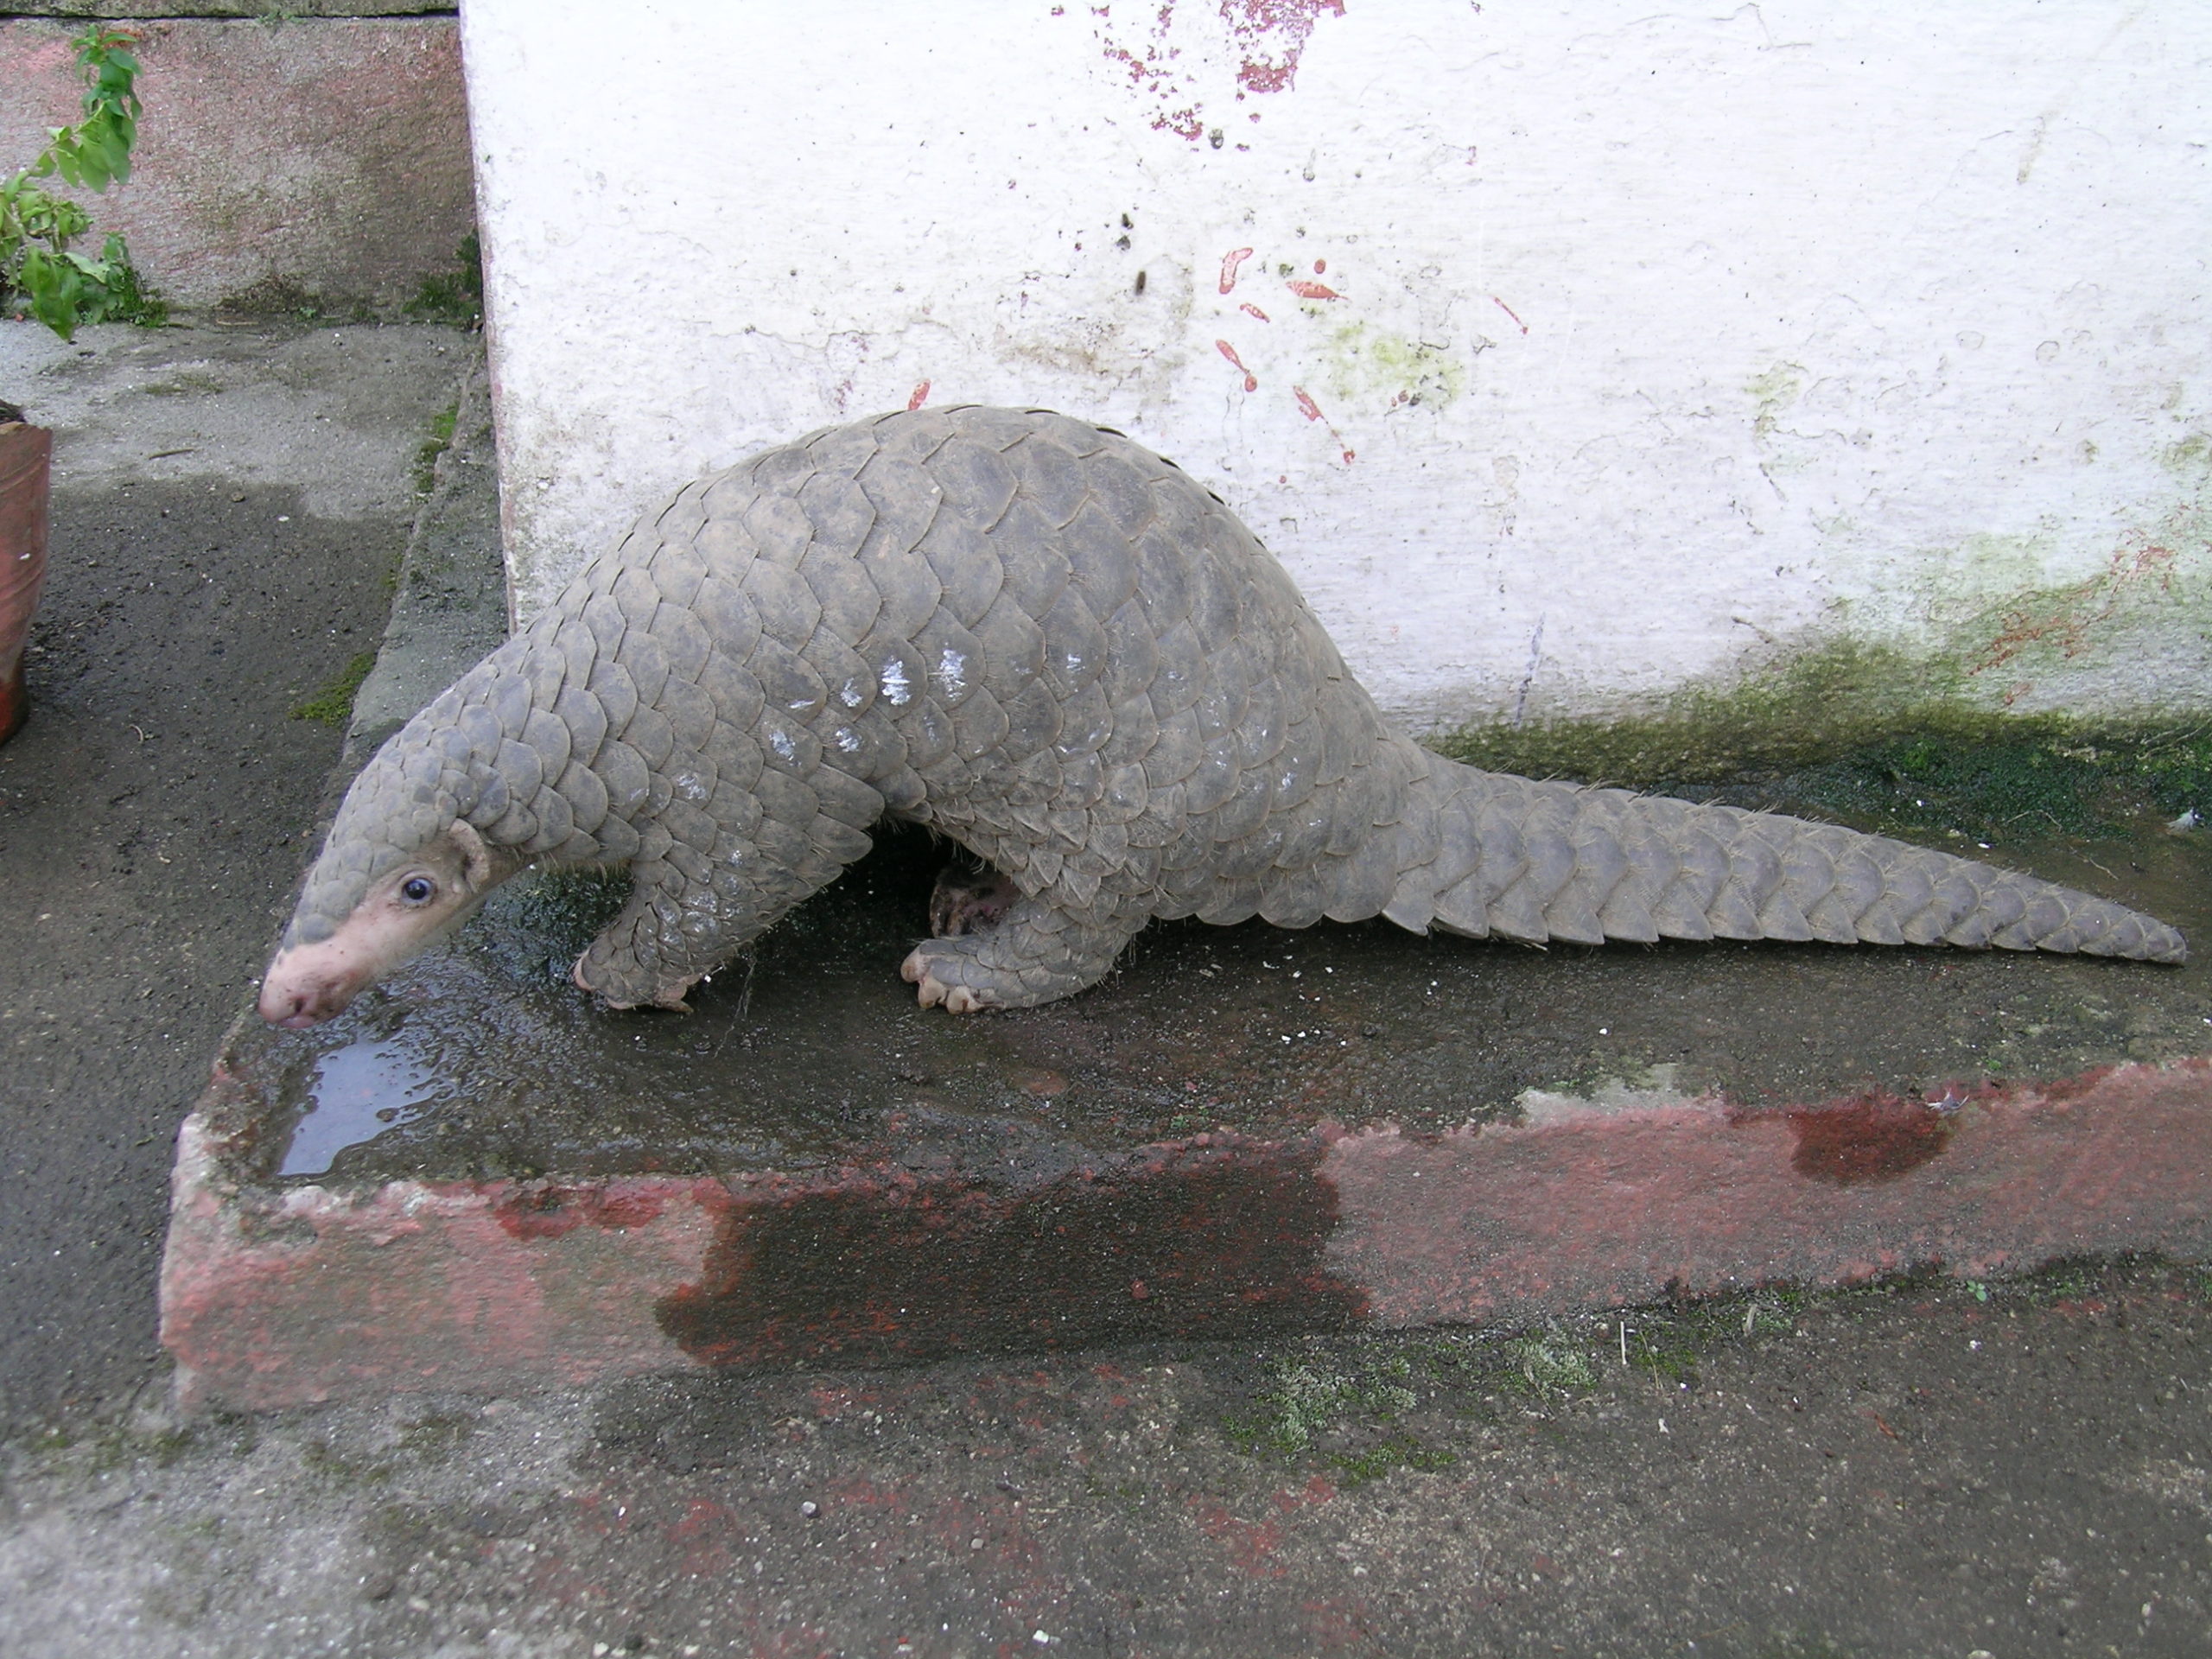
(418, 890)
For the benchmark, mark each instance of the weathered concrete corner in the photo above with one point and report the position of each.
(274, 1296)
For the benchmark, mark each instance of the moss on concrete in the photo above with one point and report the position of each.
(1351, 1413)
(439, 440)
(1817, 706)
(334, 704)
(2053, 781)
(1862, 729)
(283, 297)
(454, 297)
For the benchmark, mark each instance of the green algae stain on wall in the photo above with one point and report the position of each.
(1771, 393)
(1780, 451)
(1804, 707)
(1970, 646)
(2190, 459)
(2136, 629)
(1853, 730)
(1365, 363)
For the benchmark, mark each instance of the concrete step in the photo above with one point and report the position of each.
(475, 1179)
(277, 1295)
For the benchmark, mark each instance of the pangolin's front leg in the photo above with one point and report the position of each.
(687, 916)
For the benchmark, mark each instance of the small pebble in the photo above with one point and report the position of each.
(809, 1509)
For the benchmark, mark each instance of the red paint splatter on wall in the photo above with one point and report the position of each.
(1509, 311)
(1311, 410)
(1230, 260)
(1266, 38)
(2063, 620)
(1142, 71)
(1251, 310)
(1271, 35)
(1306, 290)
(921, 395)
(1150, 65)
(1251, 380)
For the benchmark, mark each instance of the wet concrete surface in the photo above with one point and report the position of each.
(2014, 1468)
(480, 1060)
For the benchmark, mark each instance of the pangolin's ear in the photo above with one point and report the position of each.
(475, 856)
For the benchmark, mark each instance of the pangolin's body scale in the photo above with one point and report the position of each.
(1056, 648)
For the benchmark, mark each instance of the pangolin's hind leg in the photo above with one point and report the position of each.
(1041, 951)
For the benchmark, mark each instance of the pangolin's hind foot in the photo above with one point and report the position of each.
(1039, 953)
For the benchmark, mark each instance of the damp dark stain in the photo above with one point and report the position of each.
(1877, 1139)
(550, 1211)
(1219, 1243)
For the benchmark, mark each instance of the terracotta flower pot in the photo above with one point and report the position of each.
(24, 453)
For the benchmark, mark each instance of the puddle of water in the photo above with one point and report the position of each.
(356, 1094)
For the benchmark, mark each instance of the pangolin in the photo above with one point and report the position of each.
(1058, 650)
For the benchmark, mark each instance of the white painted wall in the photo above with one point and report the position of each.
(1652, 342)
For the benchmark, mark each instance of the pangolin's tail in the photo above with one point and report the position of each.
(1536, 862)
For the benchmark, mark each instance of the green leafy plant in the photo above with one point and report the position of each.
(39, 269)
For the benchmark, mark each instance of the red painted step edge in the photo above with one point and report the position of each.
(275, 1297)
